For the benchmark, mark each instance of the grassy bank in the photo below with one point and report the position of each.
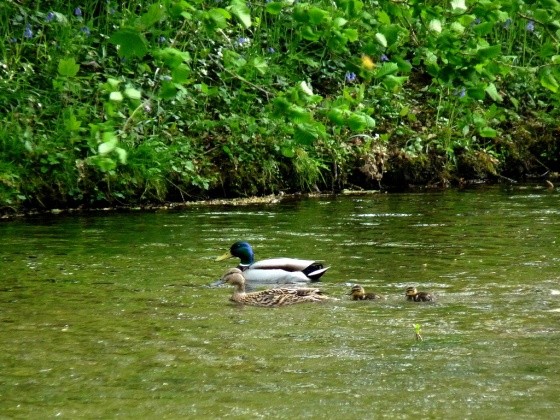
(106, 102)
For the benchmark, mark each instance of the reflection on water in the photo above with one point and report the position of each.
(110, 314)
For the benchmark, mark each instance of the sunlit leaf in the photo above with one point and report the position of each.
(435, 25)
(116, 96)
(239, 9)
(458, 5)
(68, 67)
(380, 38)
(109, 143)
(132, 93)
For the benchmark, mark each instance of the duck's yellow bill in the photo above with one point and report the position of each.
(224, 257)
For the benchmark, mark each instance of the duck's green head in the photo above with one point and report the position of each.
(241, 250)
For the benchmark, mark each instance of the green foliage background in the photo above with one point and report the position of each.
(106, 102)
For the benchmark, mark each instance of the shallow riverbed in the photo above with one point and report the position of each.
(109, 314)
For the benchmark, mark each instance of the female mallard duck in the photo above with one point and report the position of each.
(416, 296)
(269, 297)
(358, 293)
(273, 270)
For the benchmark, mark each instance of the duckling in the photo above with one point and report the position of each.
(270, 297)
(274, 270)
(416, 296)
(358, 293)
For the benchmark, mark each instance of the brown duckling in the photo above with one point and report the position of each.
(270, 297)
(358, 293)
(416, 296)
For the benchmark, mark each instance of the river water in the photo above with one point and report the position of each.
(109, 314)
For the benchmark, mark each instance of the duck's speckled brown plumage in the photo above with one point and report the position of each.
(270, 297)
(416, 296)
(358, 293)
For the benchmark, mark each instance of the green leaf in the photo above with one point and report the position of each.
(239, 9)
(435, 25)
(317, 15)
(71, 123)
(110, 141)
(386, 69)
(116, 96)
(493, 92)
(488, 132)
(155, 14)
(337, 116)
(121, 153)
(172, 57)
(68, 67)
(217, 18)
(380, 38)
(458, 5)
(131, 43)
(483, 28)
(133, 93)
(274, 7)
(260, 65)
(305, 134)
(489, 52)
(548, 81)
(351, 34)
(181, 74)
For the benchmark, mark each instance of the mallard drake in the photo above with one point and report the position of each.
(273, 270)
(358, 293)
(413, 294)
(269, 297)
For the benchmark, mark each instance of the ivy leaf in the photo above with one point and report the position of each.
(131, 43)
(68, 67)
(240, 10)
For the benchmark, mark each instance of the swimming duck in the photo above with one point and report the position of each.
(269, 297)
(358, 293)
(273, 270)
(416, 296)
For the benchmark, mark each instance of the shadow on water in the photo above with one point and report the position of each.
(107, 315)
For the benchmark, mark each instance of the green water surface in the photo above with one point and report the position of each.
(109, 314)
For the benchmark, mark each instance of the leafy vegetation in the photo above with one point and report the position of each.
(129, 102)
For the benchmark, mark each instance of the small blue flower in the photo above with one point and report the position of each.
(242, 40)
(350, 77)
(530, 26)
(27, 32)
(461, 93)
(85, 30)
(78, 12)
(507, 23)
(383, 58)
(476, 21)
(271, 50)
(50, 17)
(162, 39)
